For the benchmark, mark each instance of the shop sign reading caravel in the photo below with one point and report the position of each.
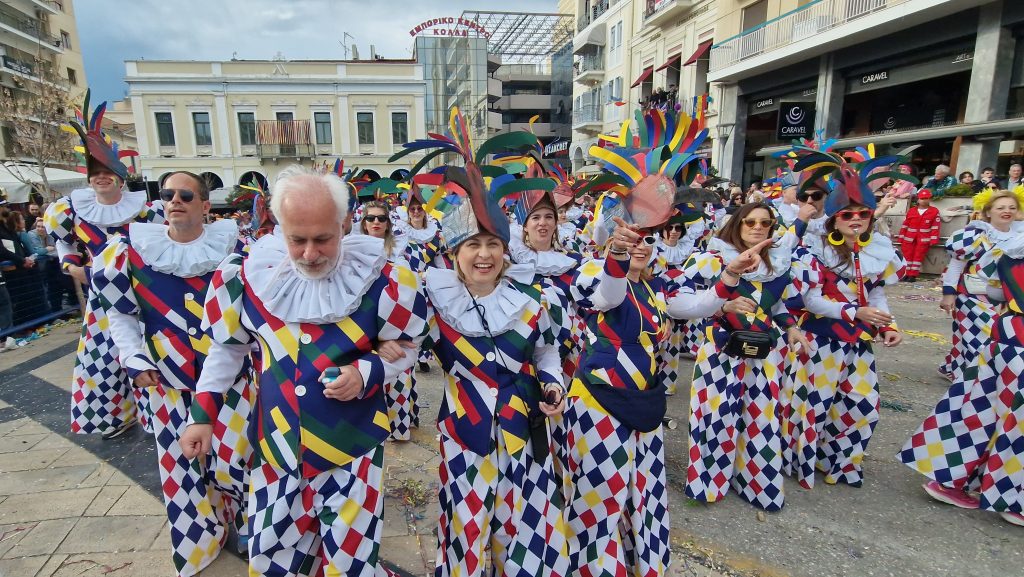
(874, 77)
(450, 26)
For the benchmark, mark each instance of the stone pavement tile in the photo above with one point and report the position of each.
(138, 501)
(30, 428)
(163, 540)
(410, 552)
(18, 444)
(106, 474)
(55, 339)
(3, 405)
(38, 481)
(39, 459)
(105, 500)
(56, 441)
(112, 534)
(8, 427)
(54, 505)
(22, 566)
(11, 534)
(52, 565)
(43, 539)
(124, 564)
(57, 373)
(396, 522)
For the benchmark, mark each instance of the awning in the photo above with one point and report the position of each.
(699, 53)
(646, 74)
(672, 61)
(14, 175)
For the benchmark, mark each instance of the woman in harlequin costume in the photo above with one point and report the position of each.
(835, 404)
(684, 233)
(401, 396)
(153, 286)
(963, 296)
(739, 284)
(102, 398)
(972, 445)
(502, 374)
(617, 515)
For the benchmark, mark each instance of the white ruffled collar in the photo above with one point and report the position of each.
(874, 257)
(295, 298)
(420, 235)
(453, 303)
(84, 202)
(994, 234)
(780, 255)
(573, 213)
(546, 263)
(183, 259)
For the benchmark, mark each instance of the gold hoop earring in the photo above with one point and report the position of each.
(835, 238)
(864, 239)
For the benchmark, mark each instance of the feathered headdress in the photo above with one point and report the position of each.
(262, 219)
(96, 146)
(983, 197)
(646, 165)
(469, 203)
(854, 176)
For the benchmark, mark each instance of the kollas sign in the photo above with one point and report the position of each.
(796, 120)
(450, 26)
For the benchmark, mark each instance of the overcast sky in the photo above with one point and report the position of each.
(113, 31)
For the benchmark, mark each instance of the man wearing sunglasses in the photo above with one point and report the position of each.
(154, 285)
(788, 205)
(318, 303)
(919, 233)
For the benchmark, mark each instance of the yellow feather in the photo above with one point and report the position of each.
(621, 138)
(616, 161)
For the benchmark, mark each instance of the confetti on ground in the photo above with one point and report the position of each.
(916, 297)
(896, 406)
(925, 335)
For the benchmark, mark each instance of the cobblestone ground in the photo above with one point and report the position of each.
(73, 505)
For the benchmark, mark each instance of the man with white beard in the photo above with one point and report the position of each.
(318, 303)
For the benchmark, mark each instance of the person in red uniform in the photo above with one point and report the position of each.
(920, 231)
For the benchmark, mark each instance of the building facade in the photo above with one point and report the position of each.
(945, 74)
(636, 54)
(38, 34)
(245, 120)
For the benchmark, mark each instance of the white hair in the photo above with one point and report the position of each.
(943, 168)
(296, 178)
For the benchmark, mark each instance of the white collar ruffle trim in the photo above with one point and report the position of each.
(994, 234)
(295, 298)
(1013, 247)
(453, 303)
(83, 200)
(874, 257)
(780, 255)
(546, 263)
(183, 259)
(788, 212)
(419, 235)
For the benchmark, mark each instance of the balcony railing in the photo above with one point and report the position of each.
(804, 22)
(658, 12)
(589, 63)
(284, 138)
(596, 9)
(586, 114)
(26, 25)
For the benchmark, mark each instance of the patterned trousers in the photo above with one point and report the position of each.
(972, 329)
(974, 438)
(203, 497)
(693, 336)
(735, 431)
(329, 525)
(101, 394)
(669, 356)
(617, 512)
(502, 502)
(402, 411)
(832, 413)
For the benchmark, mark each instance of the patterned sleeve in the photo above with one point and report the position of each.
(545, 352)
(60, 225)
(701, 291)
(401, 315)
(967, 244)
(229, 341)
(895, 270)
(153, 212)
(112, 281)
(600, 284)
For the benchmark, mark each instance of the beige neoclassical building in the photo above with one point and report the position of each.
(241, 120)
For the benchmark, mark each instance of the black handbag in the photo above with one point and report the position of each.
(748, 344)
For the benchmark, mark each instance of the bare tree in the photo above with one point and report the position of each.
(33, 111)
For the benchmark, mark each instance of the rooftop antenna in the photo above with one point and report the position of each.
(344, 36)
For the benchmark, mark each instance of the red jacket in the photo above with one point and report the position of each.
(920, 226)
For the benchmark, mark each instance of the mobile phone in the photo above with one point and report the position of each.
(330, 374)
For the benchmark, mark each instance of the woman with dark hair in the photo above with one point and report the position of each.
(24, 280)
(735, 431)
(835, 401)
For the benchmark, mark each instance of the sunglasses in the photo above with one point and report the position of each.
(167, 194)
(815, 196)
(762, 222)
(416, 208)
(847, 215)
(376, 218)
(674, 227)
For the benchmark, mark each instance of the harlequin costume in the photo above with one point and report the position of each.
(162, 284)
(315, 495)
(684, 335)
(972, 319)
(102, 398)
(618, 516)
(920, 231)
(835, 404)
(497, 352)
(974, 439)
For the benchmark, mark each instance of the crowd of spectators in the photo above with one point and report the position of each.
(661, 99)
